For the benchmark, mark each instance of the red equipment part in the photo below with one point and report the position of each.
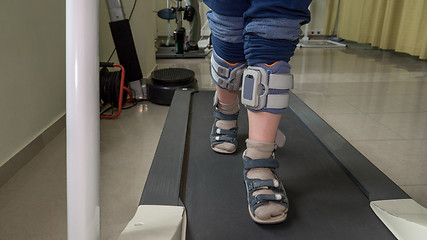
(122, 81)
(130, 95)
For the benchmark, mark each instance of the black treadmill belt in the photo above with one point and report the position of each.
(324, 202)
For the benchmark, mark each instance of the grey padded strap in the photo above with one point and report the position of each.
(277, 101)
(270, 197)
(228, 78)
(281, 81)
(249, 163)
(255, 184)
(222, 71)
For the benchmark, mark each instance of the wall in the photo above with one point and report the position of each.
(32, 63)
(318, 9)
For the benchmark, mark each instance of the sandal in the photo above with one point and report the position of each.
(252, 185)
(219, 135)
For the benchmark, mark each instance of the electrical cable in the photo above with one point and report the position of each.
(133, 8)
(112, 90)
(109, 83)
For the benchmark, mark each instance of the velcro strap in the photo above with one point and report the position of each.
(222, 71)
(281, 81)
(218, 79)
(277, 100)
(231, 132)
(222, 116)
(270, 197)
(223, 138)
(255, 184)
(248, 163)
(229, 83)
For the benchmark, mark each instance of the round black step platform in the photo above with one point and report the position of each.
(164, 82)
(170, 76)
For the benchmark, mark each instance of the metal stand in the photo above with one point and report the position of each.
(177, 51)
(306, 42)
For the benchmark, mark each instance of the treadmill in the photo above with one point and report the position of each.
(330, 185)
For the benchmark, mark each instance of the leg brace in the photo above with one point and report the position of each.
(226, 75)
(265, 91)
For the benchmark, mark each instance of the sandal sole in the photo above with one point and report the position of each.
(223, 151)
(274, 220)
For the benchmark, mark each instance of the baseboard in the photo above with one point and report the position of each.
(15, 163)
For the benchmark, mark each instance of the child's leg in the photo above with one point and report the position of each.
(271, 34)
(263, 126)
(228, 64)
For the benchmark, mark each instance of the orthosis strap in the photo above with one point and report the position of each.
(227, 77)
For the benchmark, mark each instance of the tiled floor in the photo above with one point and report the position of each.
(376, 99)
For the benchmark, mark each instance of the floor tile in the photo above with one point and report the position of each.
(389, 103)
(361, 88)
(404, 161)
(359, 127)
(33, 217)
(323, 104)
(407, 125)
(33, 201)
(44, 175)
(128, 145)
(417, 192)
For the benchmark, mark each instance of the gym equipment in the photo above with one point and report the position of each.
(111, 89)
(177, 51)
(330, 185)
(167, 14)
(125, 46)
(306, 42)
(164, 82)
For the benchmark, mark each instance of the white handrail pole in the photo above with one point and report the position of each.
(82, 90)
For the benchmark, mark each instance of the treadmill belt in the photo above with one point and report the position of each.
(324, 202)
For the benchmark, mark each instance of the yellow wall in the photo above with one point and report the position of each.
(32, 64)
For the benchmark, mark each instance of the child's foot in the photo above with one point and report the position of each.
(224, 129)
(267, 200)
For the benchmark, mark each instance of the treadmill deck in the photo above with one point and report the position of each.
(326, 200)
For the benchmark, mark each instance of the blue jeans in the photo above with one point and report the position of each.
(256, 31)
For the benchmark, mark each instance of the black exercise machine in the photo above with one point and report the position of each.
(329, 183)
(177, 51)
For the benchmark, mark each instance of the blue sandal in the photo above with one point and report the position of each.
(275, 185)
(219, 135)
